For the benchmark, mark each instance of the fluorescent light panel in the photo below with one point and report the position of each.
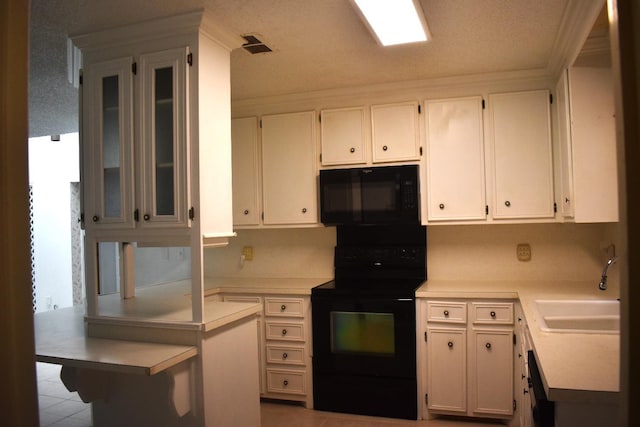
(394, 21)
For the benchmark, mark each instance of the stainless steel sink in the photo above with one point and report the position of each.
(578, 316)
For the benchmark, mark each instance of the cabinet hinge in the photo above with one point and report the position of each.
(134, 68)
(80, 78)
(136, 215)
(515, 405)
(420, 151)
(320, 118)
(192, 213)
(260, 123)
(555, 207)
(514, 339)
(320, 156)
(550, 98)
(486, 209)
(190, 59)
(425, 336)
(262, 216)
(483, 104)
(426, 399)
(419, 109)
(81, 219)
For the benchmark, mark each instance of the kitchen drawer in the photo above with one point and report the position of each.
(490, 313)
(284, 331)
(242, 298)
(449, 312)
(285, 381)
(284, 307)
(285, 355)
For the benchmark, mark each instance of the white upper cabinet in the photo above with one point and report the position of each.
(289, 172)
(108, 123)
(522, 166)
(395, 132)
(455, 159)
(343, 133)
(590, 163)
(164, 199)
(246, 199)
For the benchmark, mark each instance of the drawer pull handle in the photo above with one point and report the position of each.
(284, 332)
(446, 313)
(246, 211)
(450, 344)
(385, 148)
(285, 383)
(507, 204)
(304, 210)
(283, 307)
(352, 150)
(488, 345)
(285, 355)
(493, 314)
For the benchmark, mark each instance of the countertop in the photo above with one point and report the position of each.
(575, 367)
(281, 286)
(61, 339)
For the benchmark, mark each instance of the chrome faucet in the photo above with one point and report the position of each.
(603, 280)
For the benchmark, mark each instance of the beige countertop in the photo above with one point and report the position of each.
(576, 367)
(282, 286)
(61, 339)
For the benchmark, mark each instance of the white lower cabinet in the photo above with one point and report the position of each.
(285, 346)
(469, 358)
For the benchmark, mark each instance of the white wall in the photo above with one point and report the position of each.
(461, 252)
(53, 165)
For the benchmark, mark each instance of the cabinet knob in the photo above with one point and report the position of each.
(285, 383)
(284, 332)
(493, 314)
(304, 210)
(567, 200)
(385, 148)
(146, 217)
(285, 355)
(96, 218)
(488, 345)
(507, 203)
(283, 307)
(441, 206)
(246, 212)
(450, 344)
(352, 150)
(446, 313)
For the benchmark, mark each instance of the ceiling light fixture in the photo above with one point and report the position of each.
(394, 21)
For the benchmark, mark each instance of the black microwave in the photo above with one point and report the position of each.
(375, 195)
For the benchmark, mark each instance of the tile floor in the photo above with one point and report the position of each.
(61, 408)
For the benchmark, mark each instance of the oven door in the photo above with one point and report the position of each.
(364, 335)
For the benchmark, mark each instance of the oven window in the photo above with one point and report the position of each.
(363, 333)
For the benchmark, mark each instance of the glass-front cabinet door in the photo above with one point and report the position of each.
(163, 173)
(108, 117)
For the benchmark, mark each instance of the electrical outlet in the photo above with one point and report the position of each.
(524, 252)
(247, 252)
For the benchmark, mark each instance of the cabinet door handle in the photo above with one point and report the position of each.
(507, 204)
(285, 355)
(284, 332)
(352, 150)
(441, 205)
(283, 307)
(450, 344)
(146, 217)
(304, 210)
(493, 314)
(96, 218)
(446, 313)
(385, 148)
(488, 345)
(246, 212)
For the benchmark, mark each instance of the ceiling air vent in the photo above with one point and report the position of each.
(254, 45)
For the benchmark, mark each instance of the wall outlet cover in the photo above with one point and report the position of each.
(523, 252)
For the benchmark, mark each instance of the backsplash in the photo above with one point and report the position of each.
(460, 252)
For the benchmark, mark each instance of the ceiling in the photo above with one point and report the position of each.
(317, 45)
